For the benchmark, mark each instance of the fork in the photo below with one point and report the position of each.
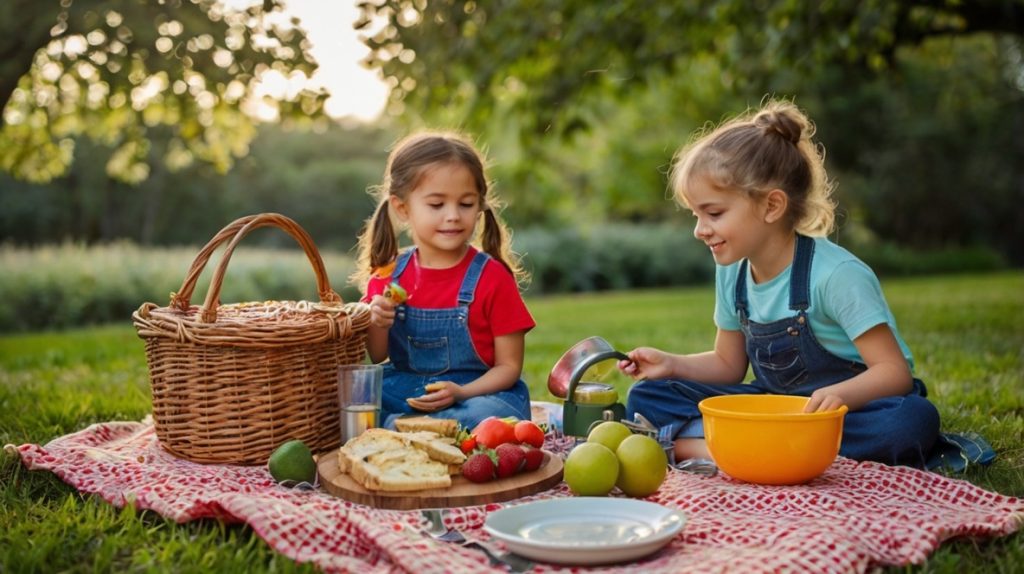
(437, 530)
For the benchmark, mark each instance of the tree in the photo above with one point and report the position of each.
(545, 56)
(125, 73)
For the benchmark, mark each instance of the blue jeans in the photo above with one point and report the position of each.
(891, 430)
(398, 386)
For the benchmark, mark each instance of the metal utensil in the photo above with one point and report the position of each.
(438, 531)
(702, 466)
(580, 412)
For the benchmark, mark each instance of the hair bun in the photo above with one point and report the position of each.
(780, 122)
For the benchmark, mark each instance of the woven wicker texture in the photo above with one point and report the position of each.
(233, 382)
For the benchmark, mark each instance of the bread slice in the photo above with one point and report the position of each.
(385, 460)
(439, 448)
(443, 427)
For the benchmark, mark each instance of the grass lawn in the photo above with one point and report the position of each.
(965, 332)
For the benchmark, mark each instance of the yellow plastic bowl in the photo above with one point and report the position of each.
(768, 439)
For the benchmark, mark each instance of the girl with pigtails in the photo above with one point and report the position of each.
(807, 316)
(446, 314)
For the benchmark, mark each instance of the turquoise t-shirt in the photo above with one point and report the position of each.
(846, 300)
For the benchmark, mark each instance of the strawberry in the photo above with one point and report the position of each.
(468, 444)
(479, 468)
(534, 457)
(510, 459)
(527, 432)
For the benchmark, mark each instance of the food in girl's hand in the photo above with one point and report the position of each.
(527, 432)
(396, 293)
(493, 431)
(418, 402)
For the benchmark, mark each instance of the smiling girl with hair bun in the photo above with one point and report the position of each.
(805, 314)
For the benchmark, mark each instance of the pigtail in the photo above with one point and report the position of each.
(496, 241)
(378, 245)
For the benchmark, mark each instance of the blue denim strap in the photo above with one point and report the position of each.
(800, 276)
(472, 277)
(403, 261)
(799, 279)
(741, 292)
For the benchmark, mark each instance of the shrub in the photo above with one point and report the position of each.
(70, 284)
(614, 256)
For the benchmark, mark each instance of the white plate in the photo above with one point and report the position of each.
(585, 530)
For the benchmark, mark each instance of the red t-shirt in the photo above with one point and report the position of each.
(497, 308)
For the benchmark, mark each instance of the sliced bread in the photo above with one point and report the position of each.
(443, 427)
(385, 460)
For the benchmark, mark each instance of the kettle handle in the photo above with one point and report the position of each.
(577, 373)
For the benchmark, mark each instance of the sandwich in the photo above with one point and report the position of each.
(389, 461)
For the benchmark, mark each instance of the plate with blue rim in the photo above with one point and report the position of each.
(585, 530)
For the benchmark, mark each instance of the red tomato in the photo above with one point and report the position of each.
(529, 433)
(493, 431)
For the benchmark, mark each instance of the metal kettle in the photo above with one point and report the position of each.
(585, 402)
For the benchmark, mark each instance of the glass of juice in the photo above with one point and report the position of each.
(359, 392)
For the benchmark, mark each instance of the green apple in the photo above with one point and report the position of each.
(610, 434)
(292, 461)
(642, 466)
(591, 469)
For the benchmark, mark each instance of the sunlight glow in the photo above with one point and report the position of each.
(356, 92)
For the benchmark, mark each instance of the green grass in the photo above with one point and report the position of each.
(965, 332)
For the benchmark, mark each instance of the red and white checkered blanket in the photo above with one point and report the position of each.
(854, 517)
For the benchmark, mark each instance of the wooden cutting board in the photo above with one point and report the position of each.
(462, 492)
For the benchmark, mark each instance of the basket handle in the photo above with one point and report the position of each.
(234, 232)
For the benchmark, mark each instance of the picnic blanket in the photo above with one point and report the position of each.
(855, 517)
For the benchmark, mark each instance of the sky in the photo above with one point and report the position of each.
(356, 92)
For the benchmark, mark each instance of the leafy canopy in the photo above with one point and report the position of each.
(543, 57)
(127, 73)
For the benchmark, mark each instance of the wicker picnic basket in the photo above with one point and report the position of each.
(233, 382)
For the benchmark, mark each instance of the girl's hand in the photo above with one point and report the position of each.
(646, 363)
(441, 395)
(382, 312)
(824, 399)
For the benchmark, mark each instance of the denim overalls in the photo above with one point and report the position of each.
(787, 359)
(428, 345)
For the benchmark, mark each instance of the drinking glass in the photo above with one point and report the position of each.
(359, 393)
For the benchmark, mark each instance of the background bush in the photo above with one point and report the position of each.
(615, 256)
(70, 284)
